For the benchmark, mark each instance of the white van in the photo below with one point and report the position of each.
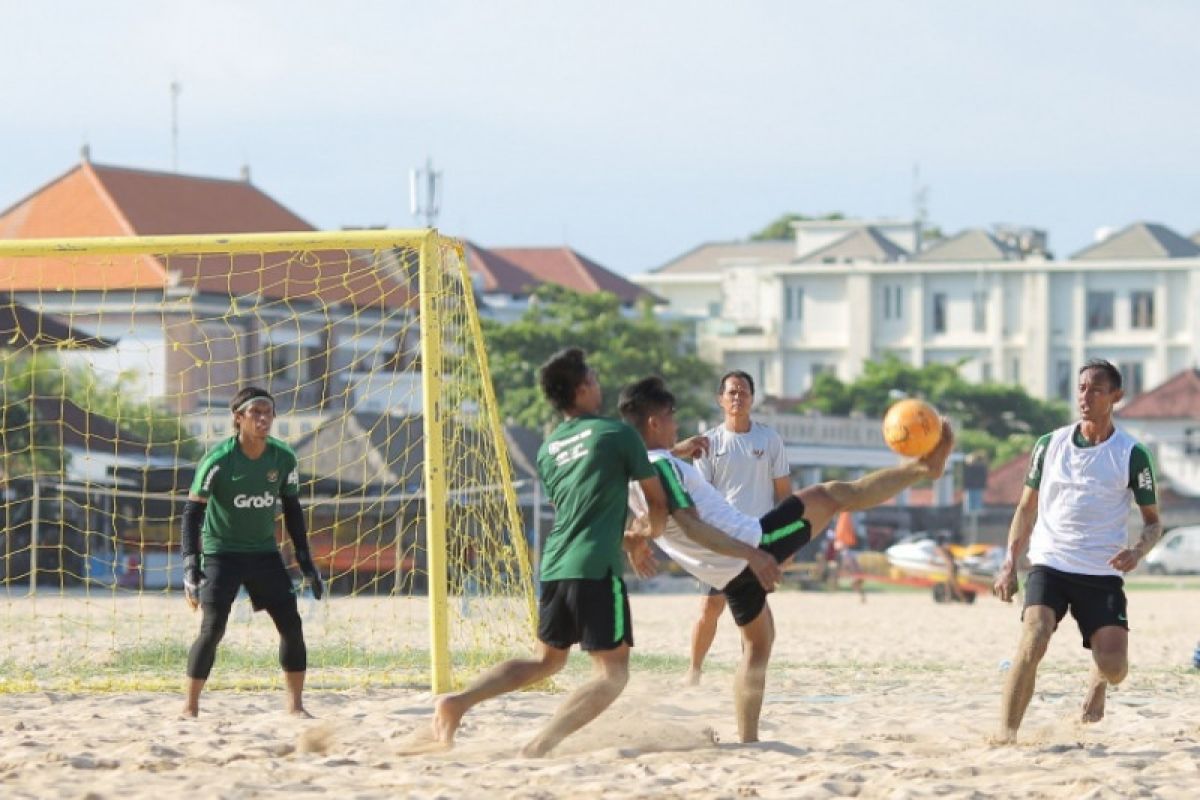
(1178, 552)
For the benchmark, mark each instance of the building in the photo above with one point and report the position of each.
(1167, 420)
(321, 330)
(993, 301)
(505, 278)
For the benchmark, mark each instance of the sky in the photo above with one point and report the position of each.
(632, 132)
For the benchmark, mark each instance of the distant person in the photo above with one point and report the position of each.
(586, 465)
(229, 543)
(845, 540)
(1071, 517)
(735, 552)
(954, 592)
(746, 461)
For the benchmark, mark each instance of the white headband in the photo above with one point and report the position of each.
(252, 401)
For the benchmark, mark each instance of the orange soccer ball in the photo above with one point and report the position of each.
(912, 427)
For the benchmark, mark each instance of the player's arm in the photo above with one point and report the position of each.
(782, 487)
(761, 563)
(1019, 532)
(297, 530)
(193, 520)
(1145, 492)
(782, 482)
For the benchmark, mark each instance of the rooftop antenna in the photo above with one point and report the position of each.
(920, 201)
(425, 192)
(176, 89)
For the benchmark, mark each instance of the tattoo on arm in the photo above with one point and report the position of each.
(1151, 533)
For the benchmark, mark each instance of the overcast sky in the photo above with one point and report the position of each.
(632, 131)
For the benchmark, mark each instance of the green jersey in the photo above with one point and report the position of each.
(242, 495)
(586, 465)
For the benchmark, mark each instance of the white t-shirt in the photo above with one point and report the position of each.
(744, 466)
(686, 488)
(1083, 503)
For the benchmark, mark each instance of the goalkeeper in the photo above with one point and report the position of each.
(229, 542)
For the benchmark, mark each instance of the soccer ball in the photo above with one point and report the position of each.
(912, 427)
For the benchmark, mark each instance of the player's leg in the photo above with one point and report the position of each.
(293, 653)
(557, 632)
(1099, 606)
(610, 673)
(1045, 605)
(203, 653)
(748, 606)
(601, 611)
(271, 589)
(712, 605)
(216, 596)
(508, 676)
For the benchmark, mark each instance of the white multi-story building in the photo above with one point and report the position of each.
(847, 291)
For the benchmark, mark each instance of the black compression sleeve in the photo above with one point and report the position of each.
(293, 519)
(193, 519)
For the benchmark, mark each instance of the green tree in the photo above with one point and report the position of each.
(781, 227)
(28, 445)
(998, 419)
(621, 349)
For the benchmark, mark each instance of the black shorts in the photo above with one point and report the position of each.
(263, 574)
(1095, 601)
(593, 613)
(785, 531)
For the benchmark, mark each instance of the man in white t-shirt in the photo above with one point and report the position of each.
(745, 461)
(733, 551)
(1072, 517)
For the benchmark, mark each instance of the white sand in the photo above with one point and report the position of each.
(895, 698)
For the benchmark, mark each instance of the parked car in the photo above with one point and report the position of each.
(1178, 552)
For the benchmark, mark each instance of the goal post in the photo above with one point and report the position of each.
(120, 355)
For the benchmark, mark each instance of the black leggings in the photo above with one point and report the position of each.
(293, 655)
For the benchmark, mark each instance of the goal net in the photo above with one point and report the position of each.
(119, 359)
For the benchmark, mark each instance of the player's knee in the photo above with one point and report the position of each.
(1113, 666)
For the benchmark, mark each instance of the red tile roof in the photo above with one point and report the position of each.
(517, 270)
(96, 200)
(1006, 483)
(1177, 398)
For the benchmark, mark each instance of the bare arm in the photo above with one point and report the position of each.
(1152, 531)
(1019, 531)
(783, 488)
(764, 566)
(656, 502)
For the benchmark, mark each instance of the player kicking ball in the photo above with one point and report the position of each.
(229, 542)
(737, 553)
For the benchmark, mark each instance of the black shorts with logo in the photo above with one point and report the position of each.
(785, 531)
(1095, 601)
(593, 613)
(263, 574)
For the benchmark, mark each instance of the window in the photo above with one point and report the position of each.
(1099, 311)
(985, 372)
(979, 311)
(1131, 377)
(1191, 441)
(1064, 379)
(714, 309)
(892, 299)
(1141, 310)
(939, 312)
(1014, 373)
(899, 292)
(793, 303)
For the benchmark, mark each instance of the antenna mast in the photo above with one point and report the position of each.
(425, 193)
(176, 88)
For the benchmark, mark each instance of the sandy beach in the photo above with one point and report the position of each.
(894, 698)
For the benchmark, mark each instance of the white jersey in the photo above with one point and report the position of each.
(686, 488)
(744, 466)
(1083, 503)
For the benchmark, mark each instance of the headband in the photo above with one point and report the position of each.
(252, 401)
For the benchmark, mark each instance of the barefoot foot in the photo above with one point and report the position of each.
(447, 715)
(1093, 703)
